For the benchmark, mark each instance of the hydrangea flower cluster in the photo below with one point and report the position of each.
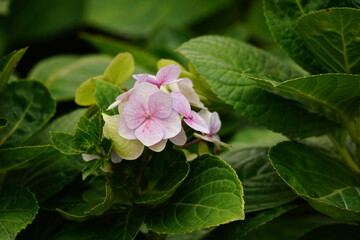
(153, 111)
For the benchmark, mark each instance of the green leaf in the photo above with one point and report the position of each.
(166, 172)
(120, 69)
(65, 143)
(239, 229)
(27, 105)
(42, 169)
(65, 123)
(319, 178)
(18, 208)
(210, 195)
(4, 7)
(8, 65)
(127, 225)
(22, 157)
(230, 67)
(332, 36)
(63, 74)
(84, 93)
(105, 94)
(88, 133)
(281, 17)
(135, 21)
(333, 232)
(334, 95)
(3, 122)
(263, 188)
(113, 47)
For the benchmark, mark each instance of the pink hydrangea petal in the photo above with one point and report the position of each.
(124, 131)
(134, 113)
(168, 74)
(113, 105)
(188, 92)
(143, 91)
(214, 139)
(171, 125)
(215, 123)
(149, 133)
(179, 139)
(152, 79)
(197, 123)
(206, 116)
(180, 104)
(160, 105)
(140, 78)
(159, 146)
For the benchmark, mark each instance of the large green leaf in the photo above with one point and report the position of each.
(65, 123)
(18, 208)
(263, 188)
(27, 106)
(332, 35)
(139, 18)
(65, 143)
(42, 169)
(105, 94)
(281, 17)
(210, 195)
(319, 178)
(238, 230)
(8, 65)
(339, 93)
(230, 67)
(63, 74)
(166, 171)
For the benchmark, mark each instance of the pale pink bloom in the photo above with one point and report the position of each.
(148, 116)
(121, 98)
(213, 122)
(186, 88)
(165, 76)
(181, 105)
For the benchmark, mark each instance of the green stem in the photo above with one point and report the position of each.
(344, 153)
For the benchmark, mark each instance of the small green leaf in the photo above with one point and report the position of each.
(105, 94)
(84, 93)
(8, 65)
(65, 143)
(42, 169)
(319, 178)
(127, 225)
(166, 172)
(18, 208)
(333, 232)
(332, 36)
(120, 69)
(239, 229)
(210, 195)
(27, 106)
(230, 67)
(64, 74)
(263, 188)
(88, 133)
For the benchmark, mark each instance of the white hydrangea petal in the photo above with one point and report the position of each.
(89, 157)
(179, 139)
(159, 146)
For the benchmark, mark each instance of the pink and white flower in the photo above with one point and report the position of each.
(165, 76)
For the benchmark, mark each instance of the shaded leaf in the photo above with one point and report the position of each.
(319, 178)
(65, 143)
(8, 65)
(263, 188)
(166, 172)
(210, 195)
(239, 229)
(333, 232)
(332, 36)
(230, 67)
(88, 133)
(42, 169)
(18, 208)
(27, 106)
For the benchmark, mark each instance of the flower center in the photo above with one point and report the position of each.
(148, 116)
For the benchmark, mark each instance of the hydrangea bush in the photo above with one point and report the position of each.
(142, 158)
